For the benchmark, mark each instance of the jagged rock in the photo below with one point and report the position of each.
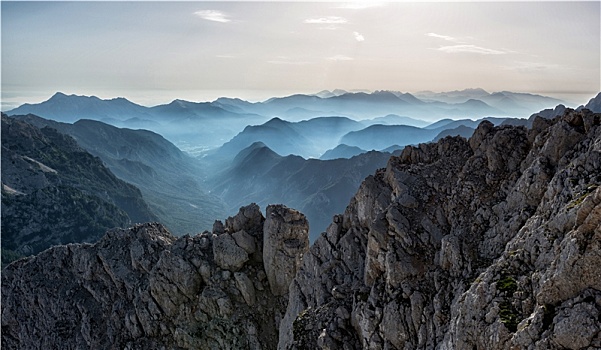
(286, 240)
(143, 288)
(499, 248)
(228, 255)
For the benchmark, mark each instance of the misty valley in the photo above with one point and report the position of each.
(192, 163)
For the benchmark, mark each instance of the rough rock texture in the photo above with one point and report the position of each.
(286, 240)
(142, 288)
(491, 243)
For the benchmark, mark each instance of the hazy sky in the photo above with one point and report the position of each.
(153, 52)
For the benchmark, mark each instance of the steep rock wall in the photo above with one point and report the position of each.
(491, 243)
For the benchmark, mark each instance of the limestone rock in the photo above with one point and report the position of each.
(491, 243)
(142, 288)
(228, 255)
(286, 240)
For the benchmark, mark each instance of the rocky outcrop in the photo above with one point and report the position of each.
(491, 243)
(286, 240)
(143, 288)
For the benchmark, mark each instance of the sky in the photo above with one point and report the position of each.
(154, 52)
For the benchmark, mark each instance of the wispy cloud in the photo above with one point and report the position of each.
(213, 15)
(443, 37)
(225, 56)
(326, 20)
(340, 58)
(470, 49)
(359, 5)
(358, 36)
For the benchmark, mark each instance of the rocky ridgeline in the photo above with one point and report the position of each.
(487, 243)
(491, 243)
(142, 288)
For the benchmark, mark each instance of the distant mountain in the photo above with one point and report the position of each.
(380, 137)
(321, 188)
(456, 96)
(393, 119)
(54, 192)
(307, 138)
(342, 151)
(70, 108)
(461, 130)
(170, 180)
(186, 123)
(594, 104)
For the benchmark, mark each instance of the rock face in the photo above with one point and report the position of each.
(142, 288)
(491, 243)
(286, 240)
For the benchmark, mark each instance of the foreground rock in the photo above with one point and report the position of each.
(493, 243)
(142, 288)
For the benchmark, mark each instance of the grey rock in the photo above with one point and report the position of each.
(228, 255)
(286, 240)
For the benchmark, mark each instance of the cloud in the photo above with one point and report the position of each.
(358, 36)
(212, 15)
(444, 37)
(326, 20)
(470, 49)
(340, 58)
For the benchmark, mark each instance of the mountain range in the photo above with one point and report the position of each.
(321, 188)
(54, 192)
(170, 180)
(196, 127)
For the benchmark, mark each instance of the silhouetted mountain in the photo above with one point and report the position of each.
(393, 119)
(594, 104)
(342, 151)
(204, 125)
(461, 130)
(320, 187)
(382, 136)
(508, 103)
(54, 192)
(456, 96)
(70, 108)
(307, 138)
(170, 180)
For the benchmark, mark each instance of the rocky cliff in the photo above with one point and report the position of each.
(142, 288)
(491, 243)
(486, 243)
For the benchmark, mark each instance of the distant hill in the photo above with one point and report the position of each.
(380, 137)
(170, 180)
(594, 104)
(54, 192)
(307, 138)
(393, 119)
(321, 188)
(186, 123)
(70, 108)
(342, 151)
